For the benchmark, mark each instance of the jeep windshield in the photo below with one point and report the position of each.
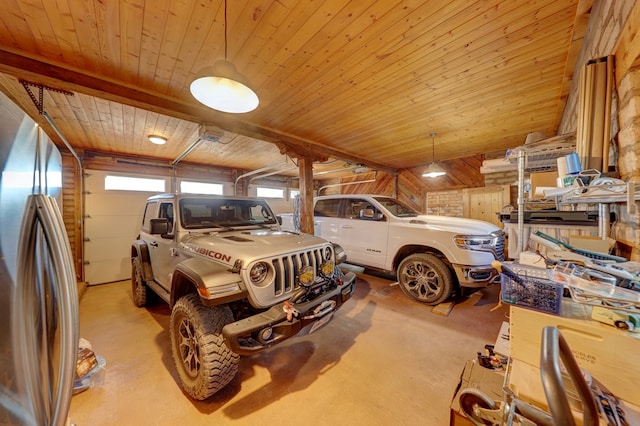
(396, 208)
(203, 213)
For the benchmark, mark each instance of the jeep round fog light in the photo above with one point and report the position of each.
(326, 269)
(307, 276)
(265, 334)
(258, 272)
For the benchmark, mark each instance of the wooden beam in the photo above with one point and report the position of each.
(306, 195)
(74, 80)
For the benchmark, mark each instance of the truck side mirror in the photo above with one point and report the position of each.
(279, 218)
(367, 214)
(159, 226)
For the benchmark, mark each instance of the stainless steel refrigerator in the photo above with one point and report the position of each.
(38, 290)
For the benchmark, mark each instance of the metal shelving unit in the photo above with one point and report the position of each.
(538, 156)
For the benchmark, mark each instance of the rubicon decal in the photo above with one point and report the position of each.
(209, 253)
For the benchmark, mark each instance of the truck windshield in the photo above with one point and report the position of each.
(396, 208)
(199, 213)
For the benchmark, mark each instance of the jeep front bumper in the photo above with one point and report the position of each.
(258, 332)
(475, 276)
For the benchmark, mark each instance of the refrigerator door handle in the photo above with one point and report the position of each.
(50, 406)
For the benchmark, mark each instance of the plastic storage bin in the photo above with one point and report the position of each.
(531, 287)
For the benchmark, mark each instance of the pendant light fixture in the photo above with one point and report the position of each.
(222, 87)
(433, 170)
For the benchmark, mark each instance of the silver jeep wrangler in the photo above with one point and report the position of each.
(235, 282)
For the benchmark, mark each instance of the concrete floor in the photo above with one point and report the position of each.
(383, 360)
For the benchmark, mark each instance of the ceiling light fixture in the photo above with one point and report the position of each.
(222, 87)
(158, 140)
(433, 170)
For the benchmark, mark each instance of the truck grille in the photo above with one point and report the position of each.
(500, 242)
(287, 267)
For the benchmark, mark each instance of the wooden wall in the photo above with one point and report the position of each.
(405, 186)
(71, 208)
(613, 30)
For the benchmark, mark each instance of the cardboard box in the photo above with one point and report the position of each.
(607, 353)
(542, 180)
(592, 243)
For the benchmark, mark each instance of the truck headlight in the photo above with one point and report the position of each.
(475, 242)
(258, 273)
(327, 268)
(307, 276)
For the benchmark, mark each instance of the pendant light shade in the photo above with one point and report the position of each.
(433, 170)
(222, 87)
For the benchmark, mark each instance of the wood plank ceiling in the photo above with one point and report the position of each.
(358, 81)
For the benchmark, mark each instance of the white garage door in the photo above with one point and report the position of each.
(112, 222)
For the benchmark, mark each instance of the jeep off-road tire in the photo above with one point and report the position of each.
(425, 278)
(142, 294)
(203, 361)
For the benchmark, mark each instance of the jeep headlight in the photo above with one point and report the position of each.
(475, 242)
(258, 273)
(327, 252)
(307, 276)
(327, 268)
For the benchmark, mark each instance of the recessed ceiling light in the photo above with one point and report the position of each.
(158, 140)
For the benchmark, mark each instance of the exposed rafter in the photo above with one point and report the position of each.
(73, 80)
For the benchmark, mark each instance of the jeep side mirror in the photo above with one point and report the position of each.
(159, 226)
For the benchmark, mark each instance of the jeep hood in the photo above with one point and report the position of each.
(458, 225)
(248, 244)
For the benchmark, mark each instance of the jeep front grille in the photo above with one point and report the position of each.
(286, 268)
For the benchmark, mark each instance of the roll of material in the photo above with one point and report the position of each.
(572, 163)
(562, 166)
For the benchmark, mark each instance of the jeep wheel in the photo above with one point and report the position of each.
(142, 295)
(425, 278)
(203, 361)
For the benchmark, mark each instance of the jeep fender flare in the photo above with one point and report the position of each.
(197, 275)
(139, 249)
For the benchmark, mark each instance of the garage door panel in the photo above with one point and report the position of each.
(101, 249)
(108, 270)
(116, 203)
(111, 224)
(102, 227)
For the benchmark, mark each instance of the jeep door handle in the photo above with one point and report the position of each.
(154, 244)
(346, 226)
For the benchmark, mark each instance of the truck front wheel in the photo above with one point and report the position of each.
(425, 278)
(203, 361)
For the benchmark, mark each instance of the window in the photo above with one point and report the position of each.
(126, 183)
(327, 208)
(270, 192)
(188, 187)
(294, 193)
(166, 212)
(149, 213)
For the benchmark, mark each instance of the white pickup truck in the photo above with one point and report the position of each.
(430, 254)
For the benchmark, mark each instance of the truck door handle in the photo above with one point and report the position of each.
(154, 244)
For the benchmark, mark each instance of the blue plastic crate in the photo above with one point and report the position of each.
(533, 288)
